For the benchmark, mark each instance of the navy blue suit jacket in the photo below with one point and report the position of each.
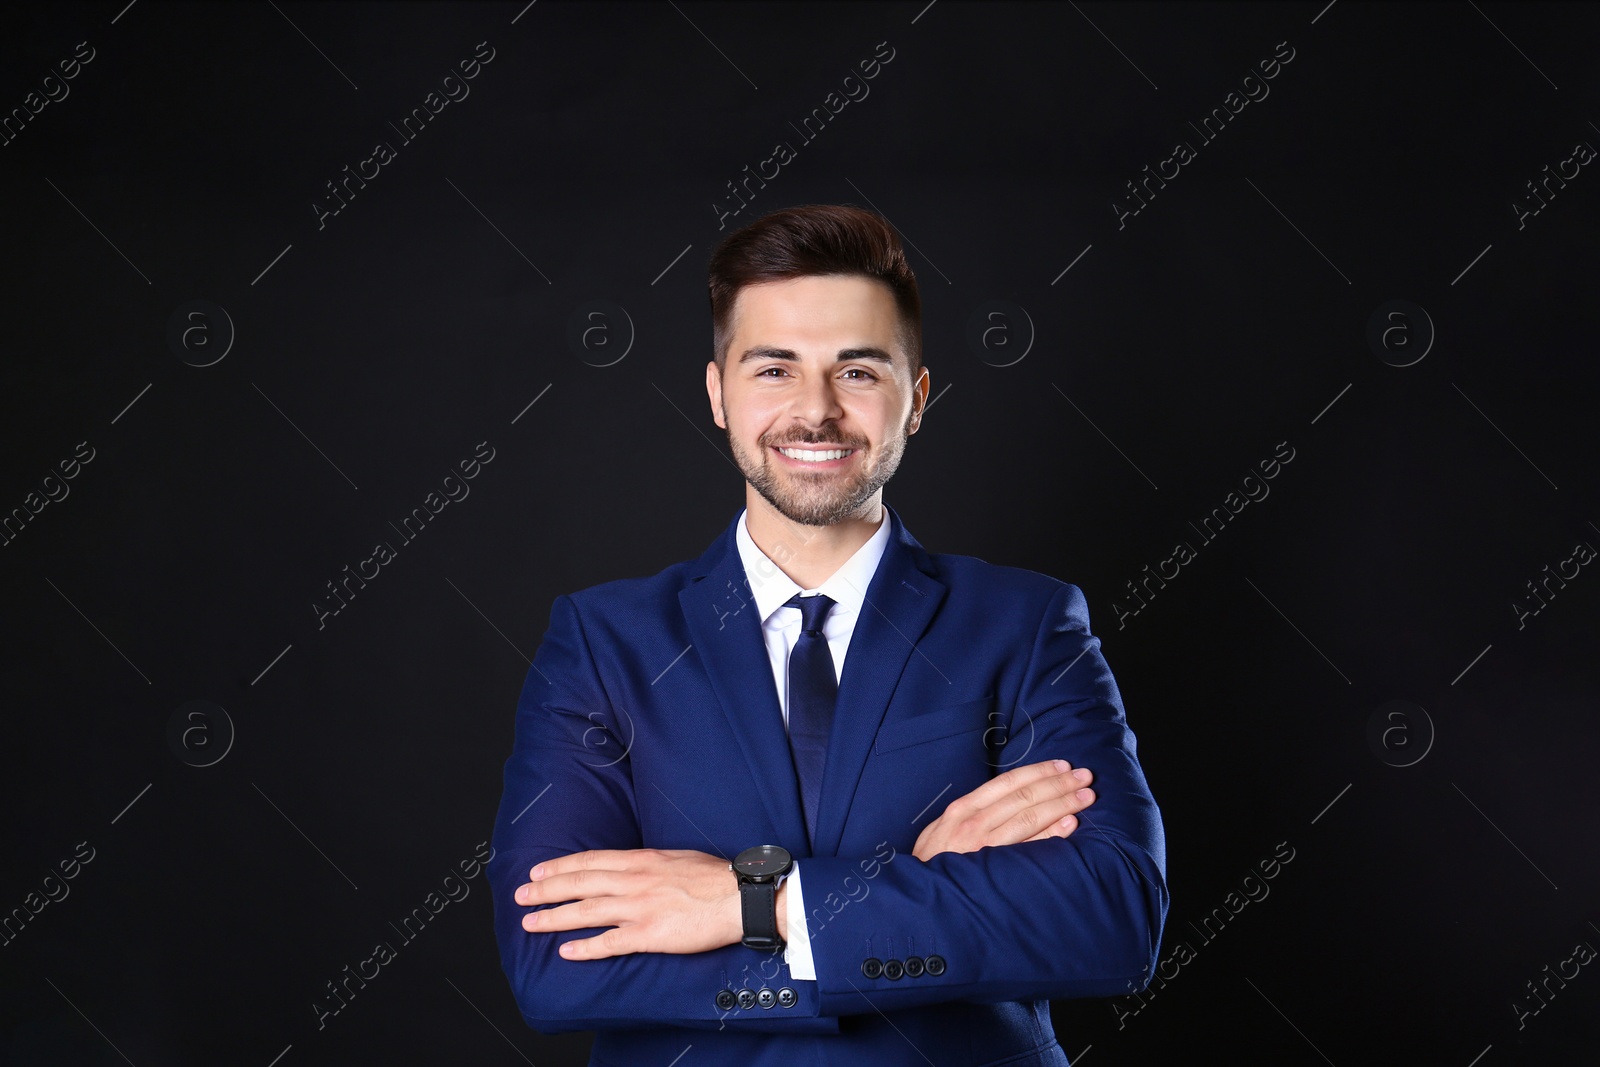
(649, 719)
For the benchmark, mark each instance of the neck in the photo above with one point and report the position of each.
(810, 555)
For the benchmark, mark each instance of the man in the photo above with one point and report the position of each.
(818, 683)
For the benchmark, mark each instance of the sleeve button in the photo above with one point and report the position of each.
(893, 970)
(934, 965)
(914, 966)
(872, 967)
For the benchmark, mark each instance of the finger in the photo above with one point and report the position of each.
(573, 886)
(611, 859)
(579, 915)
(1029, 821)
(611, 943)
(1070, 779)
(1002, 785)
(1062, 827)
(1033, 805)
(1040, 813)
(1057, 771)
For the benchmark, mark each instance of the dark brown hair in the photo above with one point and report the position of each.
(813, 239)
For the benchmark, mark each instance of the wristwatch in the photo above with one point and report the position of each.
(759, 870)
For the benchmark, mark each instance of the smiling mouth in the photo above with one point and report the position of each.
(814, 457)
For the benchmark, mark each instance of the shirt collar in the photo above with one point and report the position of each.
(847, 586)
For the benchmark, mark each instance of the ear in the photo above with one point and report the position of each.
(714, 392)
(919, 401)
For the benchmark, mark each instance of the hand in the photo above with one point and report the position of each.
(656, 900)
(1028, 803)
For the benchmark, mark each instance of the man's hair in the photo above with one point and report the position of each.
(813, 239)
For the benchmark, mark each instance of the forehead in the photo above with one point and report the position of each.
(816, 311)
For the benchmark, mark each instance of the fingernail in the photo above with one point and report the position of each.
(538, 872)
(522, 896)
(567, 949)
(1067, 821)
(1061, 765)
(1081, 775)
(1085, 794)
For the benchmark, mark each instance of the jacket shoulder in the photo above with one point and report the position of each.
(969, 573)
(646, 593)
(1000, 588)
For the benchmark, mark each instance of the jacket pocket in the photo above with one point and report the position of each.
(947, 721)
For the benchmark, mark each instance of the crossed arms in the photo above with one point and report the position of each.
(597, 931)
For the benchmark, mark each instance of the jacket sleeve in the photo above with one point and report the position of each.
(1064, 917)
(569, 788)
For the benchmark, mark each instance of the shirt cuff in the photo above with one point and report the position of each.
(797, 951)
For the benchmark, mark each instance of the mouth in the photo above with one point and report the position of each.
(812, 457)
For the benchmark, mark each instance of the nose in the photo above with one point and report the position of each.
(817, 401)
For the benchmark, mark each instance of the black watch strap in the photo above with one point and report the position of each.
(758, 905)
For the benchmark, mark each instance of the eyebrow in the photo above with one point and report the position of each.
(871, 352)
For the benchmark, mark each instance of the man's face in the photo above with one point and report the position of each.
(814, 368)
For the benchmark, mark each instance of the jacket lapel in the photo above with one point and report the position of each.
(901, 601)
(725, 632)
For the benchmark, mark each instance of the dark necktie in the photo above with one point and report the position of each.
(813, 691)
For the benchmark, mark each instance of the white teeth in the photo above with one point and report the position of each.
(814, 456)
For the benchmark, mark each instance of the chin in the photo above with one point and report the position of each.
(818, 513)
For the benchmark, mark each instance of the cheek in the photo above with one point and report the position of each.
(879, 418)
(744, 432)
(750, 418)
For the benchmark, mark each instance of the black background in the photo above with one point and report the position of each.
(375, 352)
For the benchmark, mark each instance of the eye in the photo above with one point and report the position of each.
(762, 373)
(865, 374)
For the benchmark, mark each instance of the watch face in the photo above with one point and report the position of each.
(763, 861)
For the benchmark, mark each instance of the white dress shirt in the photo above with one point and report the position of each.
(780, 627)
